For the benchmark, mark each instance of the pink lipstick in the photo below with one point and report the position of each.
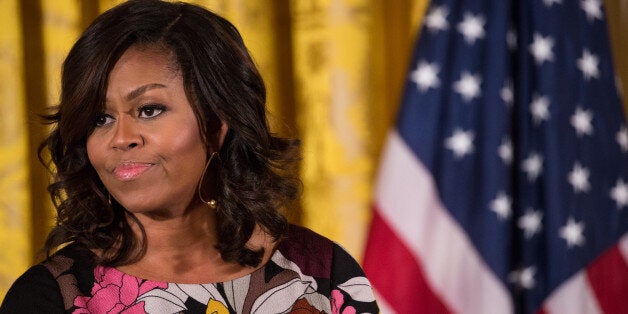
(130, 170)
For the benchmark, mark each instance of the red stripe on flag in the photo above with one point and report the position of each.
(608, 277)
(395, 273)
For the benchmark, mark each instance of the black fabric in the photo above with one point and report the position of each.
(344, 268)
(36, 291)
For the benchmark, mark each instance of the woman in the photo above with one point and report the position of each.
(167, 182)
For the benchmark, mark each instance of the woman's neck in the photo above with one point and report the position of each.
(193, 228)
(182, 249)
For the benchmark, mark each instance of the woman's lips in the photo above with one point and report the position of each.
(131, 170)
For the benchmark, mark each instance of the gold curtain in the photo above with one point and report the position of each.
(334, 70)
(15, 216)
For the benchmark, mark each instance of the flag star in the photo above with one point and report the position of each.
(524, 278)
(619, 193)
(533, 166)
(549, 3)
(511, 39)
(579, 178)
(472, 27)
(572, 232)
(426, 76)
(581, 121)
(436, 19)
(588, 64)
(592, 8)
(502, 205)
(539, 107)
(541, 48)
(505, 151)
(461, 143)
(530, 222)
(507, 93)
(622, 139)
(468, 86)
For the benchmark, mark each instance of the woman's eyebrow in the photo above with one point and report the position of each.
(142, 89)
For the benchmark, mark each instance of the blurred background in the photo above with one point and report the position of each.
(334, 71)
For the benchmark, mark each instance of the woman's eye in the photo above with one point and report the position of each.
(151, 111)
(103, 120)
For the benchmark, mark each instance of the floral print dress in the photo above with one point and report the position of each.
(306, 274)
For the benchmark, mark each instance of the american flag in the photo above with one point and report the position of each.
(503, 187)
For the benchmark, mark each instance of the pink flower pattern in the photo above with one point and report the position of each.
(115, 292)
(337, 300)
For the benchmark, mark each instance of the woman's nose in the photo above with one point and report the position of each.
(127, 134)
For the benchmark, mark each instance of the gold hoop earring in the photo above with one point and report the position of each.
(212, 202)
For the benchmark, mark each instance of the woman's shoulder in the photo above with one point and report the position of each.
(72, 271)
(302, 238)
(34, 290)
(316, 254)
(307, 249)
(337, 273)
(69, 257)
(44, 285)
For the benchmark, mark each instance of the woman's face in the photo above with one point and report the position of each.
(146, 147)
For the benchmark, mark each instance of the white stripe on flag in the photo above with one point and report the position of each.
(573, 296)
(623, 247)
(407, 198)
(384, 307)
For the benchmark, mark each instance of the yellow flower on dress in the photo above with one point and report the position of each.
(216, 307)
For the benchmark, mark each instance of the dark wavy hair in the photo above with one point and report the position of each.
(251, 177)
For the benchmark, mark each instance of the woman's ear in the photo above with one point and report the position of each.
(222, 133)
